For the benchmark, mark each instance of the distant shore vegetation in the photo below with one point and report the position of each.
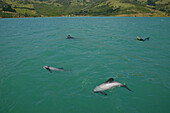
(54, 8)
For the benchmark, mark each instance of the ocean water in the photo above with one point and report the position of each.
(103, 47)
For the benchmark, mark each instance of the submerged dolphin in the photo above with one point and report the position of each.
(110, 83)
(50, 69)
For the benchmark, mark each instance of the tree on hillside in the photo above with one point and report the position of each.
(6, 7)
(151, 2)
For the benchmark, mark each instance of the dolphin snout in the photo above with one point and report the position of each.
(45, 67)
(96, 91)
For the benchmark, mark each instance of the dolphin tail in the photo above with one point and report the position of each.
(127, 88)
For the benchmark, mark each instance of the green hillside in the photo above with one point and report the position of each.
(45, 8)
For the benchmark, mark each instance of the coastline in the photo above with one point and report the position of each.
(122, 15)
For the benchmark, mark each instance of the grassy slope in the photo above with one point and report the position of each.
(136, 9)
(88, 7)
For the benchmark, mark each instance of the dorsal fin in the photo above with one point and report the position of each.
(49, 70)
(109, 80)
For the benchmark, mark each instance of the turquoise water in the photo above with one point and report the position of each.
(104, 47)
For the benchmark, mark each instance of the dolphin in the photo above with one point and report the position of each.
(144, 39)
(50, 69)
(110, 83)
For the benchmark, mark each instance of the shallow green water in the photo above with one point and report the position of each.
(104, 47)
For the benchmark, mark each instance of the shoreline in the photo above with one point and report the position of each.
(123, 15)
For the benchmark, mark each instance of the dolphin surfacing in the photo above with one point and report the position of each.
(50, 69)
(109, 84)
(144, 39)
